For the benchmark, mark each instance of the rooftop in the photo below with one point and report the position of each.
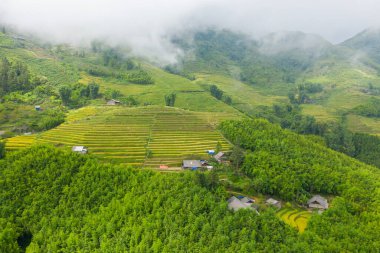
(320, 200)
(192, 163)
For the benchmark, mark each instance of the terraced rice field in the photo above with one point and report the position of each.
(21, 141)
(126, 135)
(296, 218)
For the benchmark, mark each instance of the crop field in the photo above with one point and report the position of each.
(145, 136)
(19, 142)
(296, 218)
(362, 124)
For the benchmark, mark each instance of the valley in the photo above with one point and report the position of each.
(296, 116)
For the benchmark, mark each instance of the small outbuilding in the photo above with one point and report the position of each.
(113, 102)
(236, 204)
(80, 149)
(191, 164)
(219, 157)
(273, 202)
(38, 108)
(318, 202)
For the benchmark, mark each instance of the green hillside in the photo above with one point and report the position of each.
(293, 118)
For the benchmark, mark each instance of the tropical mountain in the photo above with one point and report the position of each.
(293, 116)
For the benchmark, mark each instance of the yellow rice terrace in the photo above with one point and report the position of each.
(146, 136)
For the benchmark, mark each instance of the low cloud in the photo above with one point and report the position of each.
(146, 25)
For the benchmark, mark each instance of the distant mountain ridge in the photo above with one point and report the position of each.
(367, 41)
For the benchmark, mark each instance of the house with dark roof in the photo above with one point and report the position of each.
(318, 202)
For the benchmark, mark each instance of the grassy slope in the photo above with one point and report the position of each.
(342, 92)
(39, 61)
(342, 83)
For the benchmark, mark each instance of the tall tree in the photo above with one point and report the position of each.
(65, 93)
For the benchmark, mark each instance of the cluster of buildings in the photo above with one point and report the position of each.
(199, 164)
(242, 202)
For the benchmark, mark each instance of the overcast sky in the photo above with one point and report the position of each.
(143, 23)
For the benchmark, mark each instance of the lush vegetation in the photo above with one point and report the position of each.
(66, 202)
(139, 77)
(293, 167)
(69, 202)
(77, 95)
(14, 77)
(335, 135)
(170, 99)
(371, 109)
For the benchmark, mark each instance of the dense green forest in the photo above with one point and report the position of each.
(293, 167)
(67, 202)
(335, 135)
(52, 200)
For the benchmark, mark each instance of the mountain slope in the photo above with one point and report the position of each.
(368, 42)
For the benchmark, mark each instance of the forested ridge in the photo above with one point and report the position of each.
(294, 167)
(56, 201)
(64, 203)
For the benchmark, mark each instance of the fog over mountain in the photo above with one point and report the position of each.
(147, 25)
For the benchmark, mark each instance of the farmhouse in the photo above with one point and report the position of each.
(318, 202)
(236, 204)
(80, 149)
(219, 157)
(191, 164)
(273, 202)
(113, 102)
(37, 108)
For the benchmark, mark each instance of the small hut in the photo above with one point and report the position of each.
(318, 202)
(80, 149)
(113, 102)
(273, 202)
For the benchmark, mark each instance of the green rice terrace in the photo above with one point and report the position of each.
(145, 136)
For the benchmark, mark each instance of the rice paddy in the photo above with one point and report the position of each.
(145, 136)
(296, 218)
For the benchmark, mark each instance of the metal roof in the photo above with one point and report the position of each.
(320, 200)
(272, 201)
(78, 148)
(235, 204)
(192, 163)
